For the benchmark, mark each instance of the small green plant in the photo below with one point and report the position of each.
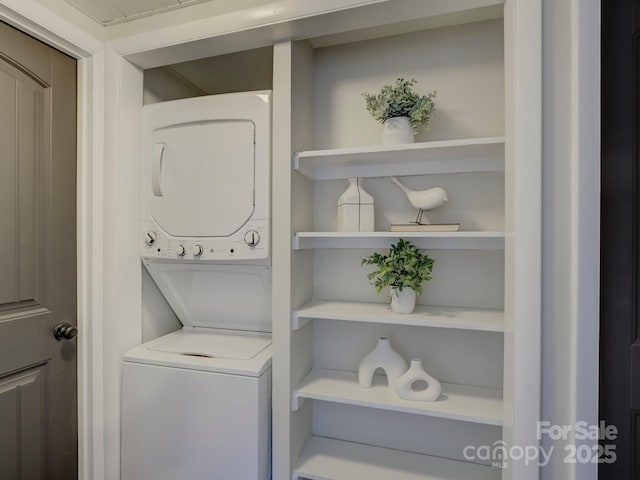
(400, 100)
(404, 267)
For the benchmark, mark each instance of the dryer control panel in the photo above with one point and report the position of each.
(249, 243)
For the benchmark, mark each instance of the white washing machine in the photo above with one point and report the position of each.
(196, 404)
(187, 416)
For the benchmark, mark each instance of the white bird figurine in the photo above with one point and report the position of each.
(423, 200)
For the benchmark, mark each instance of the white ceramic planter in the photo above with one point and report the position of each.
(403, 301)
(404, 386)
(397, 130)
(385, 357)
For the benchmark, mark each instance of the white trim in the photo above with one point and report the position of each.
(213, 24)
(39, 22)
(523, 235)
(58, 32)
(585, 215)
(122, 326)
(154, 41)
(571, 225)
(90, 266)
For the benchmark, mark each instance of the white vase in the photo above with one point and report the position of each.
(404, 385)
(397, 130)
(403, 301)
(355, 209)
(385, 357)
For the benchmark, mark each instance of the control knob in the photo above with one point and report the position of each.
(150, 238)
(181, 252)
(197, 250)
(252, 238)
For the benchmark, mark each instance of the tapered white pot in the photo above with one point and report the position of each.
(385, 357)
(403, 301)
(355, 209)
(406, 382)
(397, 130)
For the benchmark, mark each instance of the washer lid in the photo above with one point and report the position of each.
(207, 349)
(222, 344)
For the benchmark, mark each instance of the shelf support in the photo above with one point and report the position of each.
(296, 402)
(298, 322)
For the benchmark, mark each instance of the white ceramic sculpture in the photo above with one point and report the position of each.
(404, 385)
(423, 200)
(385, 357)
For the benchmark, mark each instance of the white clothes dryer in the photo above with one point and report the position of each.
(196, 404)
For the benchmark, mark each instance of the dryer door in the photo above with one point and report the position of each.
(203, 177)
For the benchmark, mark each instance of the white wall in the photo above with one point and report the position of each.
(161, 86)
(571, 156)
(158, 318)
(464, 64)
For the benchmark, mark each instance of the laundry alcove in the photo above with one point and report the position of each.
(473, 53)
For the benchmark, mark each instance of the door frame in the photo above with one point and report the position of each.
(36, 20)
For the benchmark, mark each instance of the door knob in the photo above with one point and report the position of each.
(65, 331)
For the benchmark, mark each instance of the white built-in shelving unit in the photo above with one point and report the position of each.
(476, 326)
(458, 402)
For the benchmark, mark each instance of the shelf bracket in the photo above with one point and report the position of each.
(298, 322)
(296, 402)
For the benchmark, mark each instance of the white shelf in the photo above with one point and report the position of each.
(457, 402)
(423, 240)
(330, 459)
(480, 319)
(449, 156)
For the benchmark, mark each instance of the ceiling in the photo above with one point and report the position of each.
(108, 12)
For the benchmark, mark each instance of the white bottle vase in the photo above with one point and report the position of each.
(403, 301)
(385, 357)
(355, 209)
(416, 373)
(397, 130)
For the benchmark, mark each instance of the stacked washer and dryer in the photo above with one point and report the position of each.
(196, 404)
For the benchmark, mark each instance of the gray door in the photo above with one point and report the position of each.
(38, 400)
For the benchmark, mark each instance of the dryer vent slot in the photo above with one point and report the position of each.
(195, 354)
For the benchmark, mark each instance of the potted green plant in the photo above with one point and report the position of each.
(401, 110)
(404, 270)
